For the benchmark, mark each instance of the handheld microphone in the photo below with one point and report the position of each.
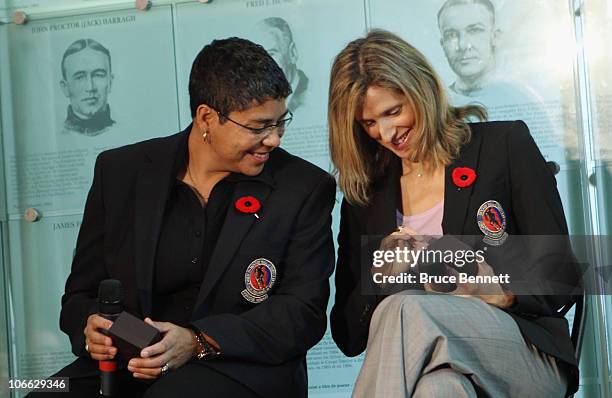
(110, 305)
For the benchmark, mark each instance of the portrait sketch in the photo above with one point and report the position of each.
(86, 82)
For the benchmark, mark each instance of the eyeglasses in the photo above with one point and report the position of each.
(279, 126)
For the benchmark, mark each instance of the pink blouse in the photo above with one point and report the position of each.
(427, 223)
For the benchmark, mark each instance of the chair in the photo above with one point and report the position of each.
(578, 327)
(581, 305)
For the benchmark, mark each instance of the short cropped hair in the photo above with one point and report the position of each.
(450, 3)
(232, 74)
(80, 45)
(281, 25)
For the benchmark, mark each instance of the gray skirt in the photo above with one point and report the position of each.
(435, 345)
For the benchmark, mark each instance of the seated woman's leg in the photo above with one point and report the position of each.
(444, 382)
(197, 380)
(412, 335)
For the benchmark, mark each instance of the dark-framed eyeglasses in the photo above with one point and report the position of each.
(279, 126)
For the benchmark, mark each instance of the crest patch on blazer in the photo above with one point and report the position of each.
(259, 278)
(492, 222)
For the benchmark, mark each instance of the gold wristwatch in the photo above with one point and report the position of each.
(204, 350)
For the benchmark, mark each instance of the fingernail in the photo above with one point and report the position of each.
(145, 354)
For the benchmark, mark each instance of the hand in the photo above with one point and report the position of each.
(99, 346)
(403, 236)
(404, 239)
(490, 293)
(176, 348)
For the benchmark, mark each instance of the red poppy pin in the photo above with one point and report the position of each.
(249, 205)
(463, 176)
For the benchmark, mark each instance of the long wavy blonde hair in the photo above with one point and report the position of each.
(385, 60)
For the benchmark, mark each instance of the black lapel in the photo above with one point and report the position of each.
(152, 188)
(382, 215)
(456, 200)
(235, 227)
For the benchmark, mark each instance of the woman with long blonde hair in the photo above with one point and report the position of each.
(406, 158)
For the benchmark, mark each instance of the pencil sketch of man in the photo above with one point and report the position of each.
(469, 40)
(275, 35)
(86, 81)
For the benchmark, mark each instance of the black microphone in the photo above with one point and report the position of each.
(110, 305)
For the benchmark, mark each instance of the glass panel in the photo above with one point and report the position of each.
(8, 7)
(79, 87)
(518, 63)
(602, 179)
(4, 329)
(304, 53)
(40, 255)
(597, 34)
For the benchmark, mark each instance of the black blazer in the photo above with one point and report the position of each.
(264, 345)
(511, 170)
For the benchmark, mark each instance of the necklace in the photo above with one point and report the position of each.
(195, 189)
(419, 174)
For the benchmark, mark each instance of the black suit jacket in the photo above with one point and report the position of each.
(511, 170)
(264, 345)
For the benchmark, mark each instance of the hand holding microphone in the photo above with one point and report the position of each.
(110, 304)
(99, 346)
(97, 343)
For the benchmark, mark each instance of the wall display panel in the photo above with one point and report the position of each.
(80, 85)
(4, 337)
(602, 178)
(7, 7)
(597, 30)
(40, 254)
(597, 38)
(516, 59)
(285, 29)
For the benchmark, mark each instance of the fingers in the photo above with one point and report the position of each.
(95, 321)
(405, 230)
(101, 352)
(401, 230)
(158, 348)
(145, 365)
(145, 376)
(164, 344)
(92, 330)
(148, 368)
(161, 326)
(428, 288)
(152, 359)
(484, 269)
(175, 349)
(99, 346)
